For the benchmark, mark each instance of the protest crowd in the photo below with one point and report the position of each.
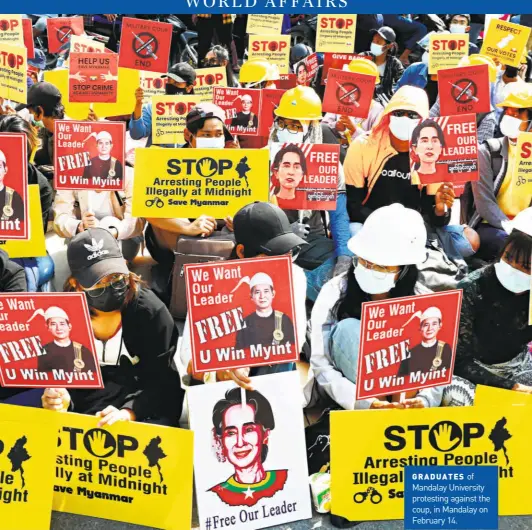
(377, 176)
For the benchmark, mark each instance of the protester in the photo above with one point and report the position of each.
(259, 73)
(460, 24)
(410, 33)
(206, 25)
(219, 56)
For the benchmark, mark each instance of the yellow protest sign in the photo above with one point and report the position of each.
(11, 31)
(152, 84)
(28, 438)
(274, 48)
(207, 79)
(489, 396)
(505, 41)
(336, 33)
(168, 117)
(188, 183)
(446, 50)
(496, 435)
(35, 246)
(132, 472)
(128, 82)
(522, 172)
(13, 66)
(264, 24)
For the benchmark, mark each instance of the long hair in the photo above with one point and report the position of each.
(417, 133)
(349, 305)
(518, 248)
(289, 148)
(15, 124)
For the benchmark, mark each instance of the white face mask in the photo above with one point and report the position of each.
(402, 127)
(374, 283)
(376, 49)
(510, 126)
(210, 143)
(512, 279)
(425, 58)
(457, 28)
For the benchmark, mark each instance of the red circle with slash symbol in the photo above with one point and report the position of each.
(348, 94)
(145, 45)
(464, 91)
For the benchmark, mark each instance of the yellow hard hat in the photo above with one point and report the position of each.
(364, 66)
(300, 103)
(479, 59)
(518, 96)
(258, 70)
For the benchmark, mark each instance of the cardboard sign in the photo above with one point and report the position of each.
(169, 115)
(79, 44)
(173, 183)
(337, 61)
(268, 423)
(270, 101)
(286, 81)
(60, 31)
(14, 192)
(336, 33)
(133, 472)
(505, 41)
(227, 302)
(274, 48)
(464, 90)
(488, 396)
(13, 70)
(11, 30)
(27, 30)
(522, 171)
(455, 159)
(27, 445)
(446, 50)
(47, 341)
(207, 79)
(93, 77)
(89, 155)
(152, 84)
(306, 70)
(394, 355)
(242, 108)
(304, 176)
(35, 245)
(496, 435)
(349, 93)
(145, 45)
(264, 24)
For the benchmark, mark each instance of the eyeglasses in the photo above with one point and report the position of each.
(209, 63)
(408, 113)
(293, 128)
(117, 285)
(378, 271)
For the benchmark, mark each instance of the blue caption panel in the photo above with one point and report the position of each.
(451, 498)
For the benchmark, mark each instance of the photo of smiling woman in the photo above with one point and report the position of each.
(426, 147)
(288, 169)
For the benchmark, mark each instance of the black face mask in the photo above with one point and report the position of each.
(172, 90)
(111, 299)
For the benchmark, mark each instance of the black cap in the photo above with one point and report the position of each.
(42, 94)
(93, 254)
(387, 33)
(182, 73)
(265, 228)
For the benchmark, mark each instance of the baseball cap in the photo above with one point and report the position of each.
(265, 228)
(42, 94)
(387, 33)
(208, 110)
(181, 73)
(93, 254)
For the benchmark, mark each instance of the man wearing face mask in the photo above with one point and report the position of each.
(180, 81)
(497, 197)
(460, 24)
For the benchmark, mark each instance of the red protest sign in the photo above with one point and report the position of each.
(270, 101)
(337, 61)
(93, 78)
(306, 70)
(145, 45)
(89, 155)
(444, 150)
(242, 108)
(14, 182)
(464, 90)
(348, 93)
(304, 176)
(60, 30)
(286, 81)
(241, 313)
(47, 341)
(27, 33)
(407, 344)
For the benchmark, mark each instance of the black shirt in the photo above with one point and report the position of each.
(421, 359)
(243, 120)
(100, 168)
(62, 358)
(259, 330)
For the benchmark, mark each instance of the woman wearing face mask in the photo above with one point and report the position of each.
(388, 248)
(498, 198)
(494, 328)
(136, 339)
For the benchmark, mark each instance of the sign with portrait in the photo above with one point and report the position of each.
(242, 107)
(306, 69)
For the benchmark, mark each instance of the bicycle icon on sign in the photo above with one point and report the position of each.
(521, 180)
(155, 202)
(374, 496)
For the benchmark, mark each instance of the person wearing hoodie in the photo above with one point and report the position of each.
(377, 165)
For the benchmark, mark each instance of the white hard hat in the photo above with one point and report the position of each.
(391, 236)
(261, 278)
(104, 135)
(3, 157)
(522, 222)
(54, 312)
(431, 312)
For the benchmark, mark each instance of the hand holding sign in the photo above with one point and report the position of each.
(444, 198)
(56, 399)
